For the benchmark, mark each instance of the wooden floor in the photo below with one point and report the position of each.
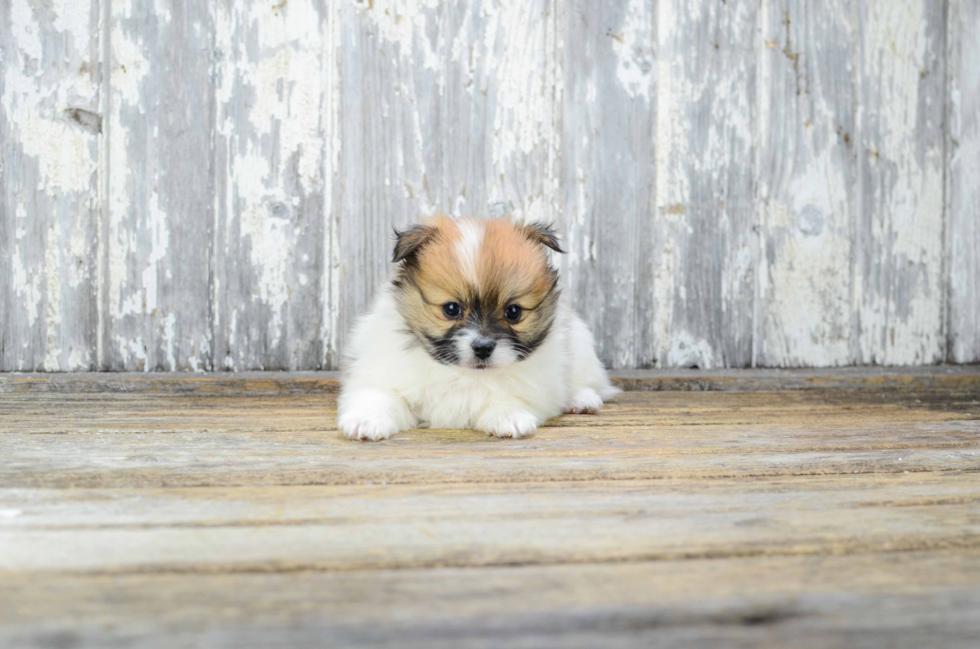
(228, 512)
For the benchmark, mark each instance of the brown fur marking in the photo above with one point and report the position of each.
(512, 268)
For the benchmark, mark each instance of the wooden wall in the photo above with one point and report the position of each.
(192, 185)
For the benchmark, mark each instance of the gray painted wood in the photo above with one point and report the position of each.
(268, 261)
(889, 599)
(898, 238)
(49, 171)
(805, 181)
(704, 282)
(391, 161)
(158, 166)
(722, 519)
(446, 109)
(608, 173)
(500, 95)
(963, 221)
(737, 183)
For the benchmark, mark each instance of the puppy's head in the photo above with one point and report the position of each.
(477, 293)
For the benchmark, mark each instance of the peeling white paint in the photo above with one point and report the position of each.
(633, 45)
(704, 185)
(34, 100)
(159, 246)
(805, 208)
(963, 142)
(52, 308)
(688, 351)
(129, 71)
(168, 338)
(133, 353)
(26, 285)
(404, 24)
(330, 110)
(901, 323)
(269, 100)
(466, 116)
(523, 113)
(49, 192)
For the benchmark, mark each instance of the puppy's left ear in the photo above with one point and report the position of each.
(410, 241)
(544, 234)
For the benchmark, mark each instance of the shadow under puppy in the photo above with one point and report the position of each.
(471, 333)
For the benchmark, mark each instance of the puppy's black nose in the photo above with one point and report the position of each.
(483, 347)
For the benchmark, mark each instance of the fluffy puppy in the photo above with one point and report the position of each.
(471, 333)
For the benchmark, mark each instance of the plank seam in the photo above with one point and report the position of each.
(102, 228)
(946, 270)
(803, 548)
(79, 482)
(213, 212)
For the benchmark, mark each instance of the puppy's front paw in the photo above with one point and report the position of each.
(584, 402)
(367, 426)
(511, 423)
(371, 415)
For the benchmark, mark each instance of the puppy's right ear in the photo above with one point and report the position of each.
(410, 241)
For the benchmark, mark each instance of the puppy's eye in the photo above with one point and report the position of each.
(452, 310)
(513, 312)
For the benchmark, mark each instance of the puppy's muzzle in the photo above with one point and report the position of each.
(483, 347)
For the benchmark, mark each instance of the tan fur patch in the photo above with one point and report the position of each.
(510, 268)
(514, 265)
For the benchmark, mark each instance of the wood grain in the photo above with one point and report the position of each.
(899, 241)
(894, 600)
(57, 441)
(446, 109)
(806, 177)
(608, 174)
(704, 281)
(268, 256)
(50, 127)
(343, 528)
(156, 238)
(236, 516)
(213, 186)
(963, 224)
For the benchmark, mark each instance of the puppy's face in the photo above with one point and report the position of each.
(477, 293)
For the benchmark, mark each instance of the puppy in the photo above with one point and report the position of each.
(471, 333)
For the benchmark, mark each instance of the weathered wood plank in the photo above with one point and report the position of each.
(446, 109)
(374, 113)
(157, 238)
(704, 282)
(499, 135)
(767, 518)
(269, 183)
(899, 280)
(608, 173)
(50, 127)
(392, 158)
(962, 254)
(895, 600)
(726, 500)
(806, 177)
(332, 287)
(381, 527)
(145, 440)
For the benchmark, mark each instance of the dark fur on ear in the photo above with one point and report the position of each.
(410, 241)
(544, 234)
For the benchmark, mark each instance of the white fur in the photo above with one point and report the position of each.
(391, 384)
(503, 355)
(468, 247)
